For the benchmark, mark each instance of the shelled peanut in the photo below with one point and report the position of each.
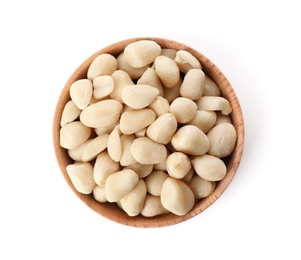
(147, 130)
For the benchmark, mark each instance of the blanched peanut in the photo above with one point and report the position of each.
(101, 114)
(114, 145)
(99, 194)
(134, 73)
(177, 197)
(170, 94)
(104, 166)
(210, 87)
(178, 165)
(187, 178)
(190, 140)
(200, 187)
(167, 71)
(121, 79)
(104, 64)
(204, 120)
(77, 153)
(135, 120)
(154, 182)
(70, 113)
(139, 96)
(193, 84)
(183, 109)
(81, 176)
(209, 167)
(163, 128)
(133, 202)
(146, 151)
(151, 78)
(153, 206)
(105, 129)
(186, 61)
(126, 155)
(74, 134)
(120, 184)
(103, 86)
(141, 53)
(81, 92)
(161, 166)
(142, 170)
(141, 132)
(160, 106)
(222, 139)
(212, 103)
(220, 118)
(170, 53)
(94, 147)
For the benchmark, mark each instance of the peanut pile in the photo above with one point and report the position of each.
(147, 130)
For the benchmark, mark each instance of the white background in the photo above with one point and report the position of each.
(257, 46)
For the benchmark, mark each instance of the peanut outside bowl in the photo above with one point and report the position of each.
(110, 210)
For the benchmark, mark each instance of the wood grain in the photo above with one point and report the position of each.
(112, 211)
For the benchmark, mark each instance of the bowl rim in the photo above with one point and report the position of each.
(110, 210)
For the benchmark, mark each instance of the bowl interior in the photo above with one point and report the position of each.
(111, 210)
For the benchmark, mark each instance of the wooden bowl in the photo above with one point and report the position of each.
(111, 210)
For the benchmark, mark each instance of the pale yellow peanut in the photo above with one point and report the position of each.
(163, 128)
(170, 94)
(101, 114)
(161, 166)
(135, 120)
(187, 178)
(154, 182)
(81, 92)
(105, 129)
(193, 84)
(147, 151)
(184, 109)
(141, 132)
(99, 194)
(81, 176)
(170, 53)
(77, 153)
(134, 73)
(150, 77)
(204, 120)
(220, 118)
(178, 165)
(210, 87)
(104, 64)
(103, 86)
(114, 145)
(141, 53)
(153, 206)
(209, 167)
(133, 202)
(70, 113)
(121, 79)
(167, 71)
(94, 147)
(213, 103)
(120, 184)
(190, 140)
(177, 197)
(200, 187)
(222, 139)
(139, 96)
(126, 155)
(160, 106)
(142, 170)
(186, 61)
(104, 166)
(74, 134)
